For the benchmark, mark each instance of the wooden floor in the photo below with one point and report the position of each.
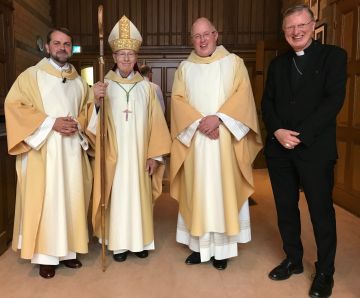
(164, 275)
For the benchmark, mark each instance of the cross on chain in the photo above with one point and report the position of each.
(127, 111)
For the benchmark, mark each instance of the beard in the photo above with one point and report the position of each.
(60, 57)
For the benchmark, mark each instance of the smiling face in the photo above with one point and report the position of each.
(204, 37)
(59, 47)
(125, 61)
(298, 29)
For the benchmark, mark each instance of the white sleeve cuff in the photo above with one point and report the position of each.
(38, 138)
(84, 142)
(187, 134)
(93, 122)
(238, 129)
(159, 159)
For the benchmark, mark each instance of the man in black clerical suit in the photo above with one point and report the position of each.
(304, 92)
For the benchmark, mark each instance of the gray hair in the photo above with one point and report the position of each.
(297, 8)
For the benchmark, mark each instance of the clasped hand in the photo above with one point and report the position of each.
(287, 138)
(209, 126)
(66, 126)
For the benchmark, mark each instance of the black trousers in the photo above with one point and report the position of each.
(317, 180)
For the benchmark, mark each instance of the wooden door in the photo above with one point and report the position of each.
(163, 71)
(7, 194)
(6, 51)
(347, 173)
(7, 164)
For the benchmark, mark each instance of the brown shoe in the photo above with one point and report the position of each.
(72, 263)
(47, 271)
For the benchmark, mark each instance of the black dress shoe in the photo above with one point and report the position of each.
(220, 264)
(73, 263)
(47, 271)
(194, 258)
(142, 254)
(285, 270)
(121, 257)
(322, 286)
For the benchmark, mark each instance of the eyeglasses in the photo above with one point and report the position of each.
(205, 35)
(123, 55)
(299, 27)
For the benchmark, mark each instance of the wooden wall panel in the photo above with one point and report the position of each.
(346, 35)
(6, 77)
(176, 22)
(356, 101)
(217, 17)
(356, 160)
(24, 59)
(6, 52)
(257, 25)
(29, 22)
(74, 17)
(358, 34)
(343, 117)
(7, 193)
(156, 75)
(86, 28)
(271, 20)
(164, 23)
(341, 163)
(244, 23)
(3, 202)
(112, 9)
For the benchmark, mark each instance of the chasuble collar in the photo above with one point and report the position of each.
(46, 66)
(219, 53)
(113, 76)
(65, 67)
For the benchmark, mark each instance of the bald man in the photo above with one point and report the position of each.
(216, 137)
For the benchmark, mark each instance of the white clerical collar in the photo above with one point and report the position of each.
(300, 53)
(58, 67)
(130, 76)
(146, 79)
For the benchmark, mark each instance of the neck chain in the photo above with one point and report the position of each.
(127, 111)
(297, 68)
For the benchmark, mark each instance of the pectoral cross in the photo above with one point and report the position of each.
(127, 111)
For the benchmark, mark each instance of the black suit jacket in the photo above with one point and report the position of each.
(311, 108)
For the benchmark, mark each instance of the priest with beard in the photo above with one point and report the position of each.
(45, 112)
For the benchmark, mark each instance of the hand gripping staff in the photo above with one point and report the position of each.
(102, 138)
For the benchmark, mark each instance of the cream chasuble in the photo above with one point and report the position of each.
(131, 199)
(211, 181)
(125, 209)
(64, 213)
(62, 228)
